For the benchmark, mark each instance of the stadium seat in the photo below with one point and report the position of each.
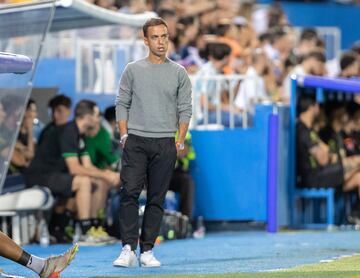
(21, 207)
(304, 215)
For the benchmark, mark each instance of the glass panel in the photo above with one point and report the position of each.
(17, 29)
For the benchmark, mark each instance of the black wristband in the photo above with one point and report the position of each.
(24, 259)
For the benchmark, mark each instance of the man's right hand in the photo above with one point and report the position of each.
(123, 140)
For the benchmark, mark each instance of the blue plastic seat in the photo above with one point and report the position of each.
(301, 216)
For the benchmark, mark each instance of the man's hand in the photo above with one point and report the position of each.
(123, 140)
(180, 146)
(112, 177)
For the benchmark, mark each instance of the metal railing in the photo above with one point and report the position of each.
(99, 64)
(211, 90)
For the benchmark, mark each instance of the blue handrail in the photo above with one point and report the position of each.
(14, 63)
(338, 84)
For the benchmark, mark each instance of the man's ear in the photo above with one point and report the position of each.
(146, 41)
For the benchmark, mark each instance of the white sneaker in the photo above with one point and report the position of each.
(127, 258)
(147, 259)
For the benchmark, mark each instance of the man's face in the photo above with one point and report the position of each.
(92, 122)
(317, 67)
(316, 109)
(61, 114)
(31, 111)
(353, 69)
(286, 44)
(157, 40)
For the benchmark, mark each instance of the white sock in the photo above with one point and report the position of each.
(36, 264)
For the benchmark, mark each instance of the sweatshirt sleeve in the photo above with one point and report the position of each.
(184, 97)
(124, 96)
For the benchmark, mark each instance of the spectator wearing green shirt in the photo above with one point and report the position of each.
(99, 147)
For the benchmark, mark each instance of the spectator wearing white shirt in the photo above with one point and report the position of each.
(312, 63)
(252, 89)
(213, 94)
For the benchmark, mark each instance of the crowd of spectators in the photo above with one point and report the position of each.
(207, 38)
(239, 37)
(79, 161)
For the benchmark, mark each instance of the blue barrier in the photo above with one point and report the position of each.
(14, 63)
(272, 226)
(338, 84)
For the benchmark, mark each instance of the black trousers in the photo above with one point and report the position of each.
(327, 176)
(148, 161)
(182, 183)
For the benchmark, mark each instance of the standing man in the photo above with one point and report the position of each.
(154, 101)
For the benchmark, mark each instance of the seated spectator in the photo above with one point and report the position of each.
(351, 131)
(12, 109)
(109, 122)
(170, 17)
(312, 63)
(228, 34)
(62, 164)
(252, 89)
(25, 146)
(60, 107)
(181, 181)
(339, 137)
(349, 65)
(246, 36)
(99, 147)
(332, 134)
(280, 46)
(59, 226)
(307, 42)
(210, 94)
(316, 165)
(185, 41)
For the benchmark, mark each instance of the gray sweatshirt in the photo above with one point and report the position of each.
(154, 98)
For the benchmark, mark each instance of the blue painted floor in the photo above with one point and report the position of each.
(216, 253)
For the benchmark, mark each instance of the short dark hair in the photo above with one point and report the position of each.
(222, 29)
(30, 101)
(347, 59)
(155, 21)
(84, 107)
(218, 50)
(305, 102)
(338, 113)
(109, 114)
(59, 100)
(264, 37)
(317, 55)
(308, 34)
(166, 13)
(276, 34)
